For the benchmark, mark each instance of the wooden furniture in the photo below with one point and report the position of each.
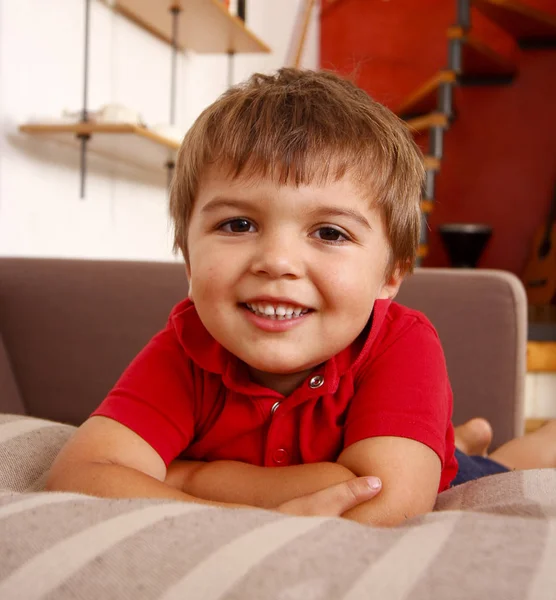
(541, 357)
(129, 144)
(205, 26)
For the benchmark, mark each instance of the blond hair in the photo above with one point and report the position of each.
(301, 127)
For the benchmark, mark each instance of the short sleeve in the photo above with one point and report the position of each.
(404, 391)
(154, 397)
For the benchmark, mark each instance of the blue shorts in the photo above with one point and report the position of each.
(475, 467)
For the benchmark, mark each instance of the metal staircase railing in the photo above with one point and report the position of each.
(445, 101)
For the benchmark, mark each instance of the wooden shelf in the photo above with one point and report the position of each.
(131, 144)
(425, 98)
(523, 22)
(479, 59)
(205, 26)
(541, 357)
(435, 119)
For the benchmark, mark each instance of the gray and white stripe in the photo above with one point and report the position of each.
(81, 547)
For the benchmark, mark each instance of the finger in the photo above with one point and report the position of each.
(335, 500)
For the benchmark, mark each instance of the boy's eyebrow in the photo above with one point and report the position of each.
(220, 202)
(335, 211)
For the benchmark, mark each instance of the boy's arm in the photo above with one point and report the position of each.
(410, 474)
(105, 458)
(409, 471)
(265, 487)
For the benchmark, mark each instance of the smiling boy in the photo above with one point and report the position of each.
(296, 207)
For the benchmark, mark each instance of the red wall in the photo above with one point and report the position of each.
(500, 153)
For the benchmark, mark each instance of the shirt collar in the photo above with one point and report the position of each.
(211, 356)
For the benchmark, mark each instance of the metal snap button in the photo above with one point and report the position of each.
(316, 381)
(275, 407)
(280, 456)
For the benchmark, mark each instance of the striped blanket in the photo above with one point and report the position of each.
(493, 538)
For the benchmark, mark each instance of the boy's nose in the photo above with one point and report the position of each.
(278, 257)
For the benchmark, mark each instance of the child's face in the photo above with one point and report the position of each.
(258, 250)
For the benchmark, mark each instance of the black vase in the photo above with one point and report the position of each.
(465, 242)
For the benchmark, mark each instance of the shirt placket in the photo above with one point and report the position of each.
(282, 430)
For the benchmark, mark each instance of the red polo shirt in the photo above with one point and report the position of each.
(189, 397)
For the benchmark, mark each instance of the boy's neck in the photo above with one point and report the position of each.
(284, 384)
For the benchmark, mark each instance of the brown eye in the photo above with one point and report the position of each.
(237, 226)
(331, 234)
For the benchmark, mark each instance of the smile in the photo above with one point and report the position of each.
(276, 312)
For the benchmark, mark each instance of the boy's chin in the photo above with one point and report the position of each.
(279, 367)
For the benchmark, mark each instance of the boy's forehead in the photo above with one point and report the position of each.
(221, 179)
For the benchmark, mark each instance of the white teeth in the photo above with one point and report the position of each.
(278, 312)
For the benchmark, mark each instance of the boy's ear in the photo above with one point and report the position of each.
(392, 284)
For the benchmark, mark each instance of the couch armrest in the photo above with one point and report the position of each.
(10, 397)
(481, 318)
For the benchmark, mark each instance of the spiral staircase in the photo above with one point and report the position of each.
(431, 108)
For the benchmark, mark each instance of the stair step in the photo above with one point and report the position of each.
(427, 206)
(479, 59)
(425, 98)
(420, 124)
(422, 251)
(525, 23)
(432, 163)
(481, 64)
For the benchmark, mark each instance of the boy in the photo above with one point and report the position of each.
(296, 207)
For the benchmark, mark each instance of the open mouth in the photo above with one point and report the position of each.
(276, 312)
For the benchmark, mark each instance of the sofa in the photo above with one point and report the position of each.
(67, 330)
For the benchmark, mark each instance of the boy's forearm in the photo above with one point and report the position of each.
(383, 512)
(115, 481)
(265, 487)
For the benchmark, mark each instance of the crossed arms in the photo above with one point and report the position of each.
(105, 458)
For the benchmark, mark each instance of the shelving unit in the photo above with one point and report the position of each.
(204, 26)
(131, 144)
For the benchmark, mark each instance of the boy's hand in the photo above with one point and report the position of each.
(334, 500)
